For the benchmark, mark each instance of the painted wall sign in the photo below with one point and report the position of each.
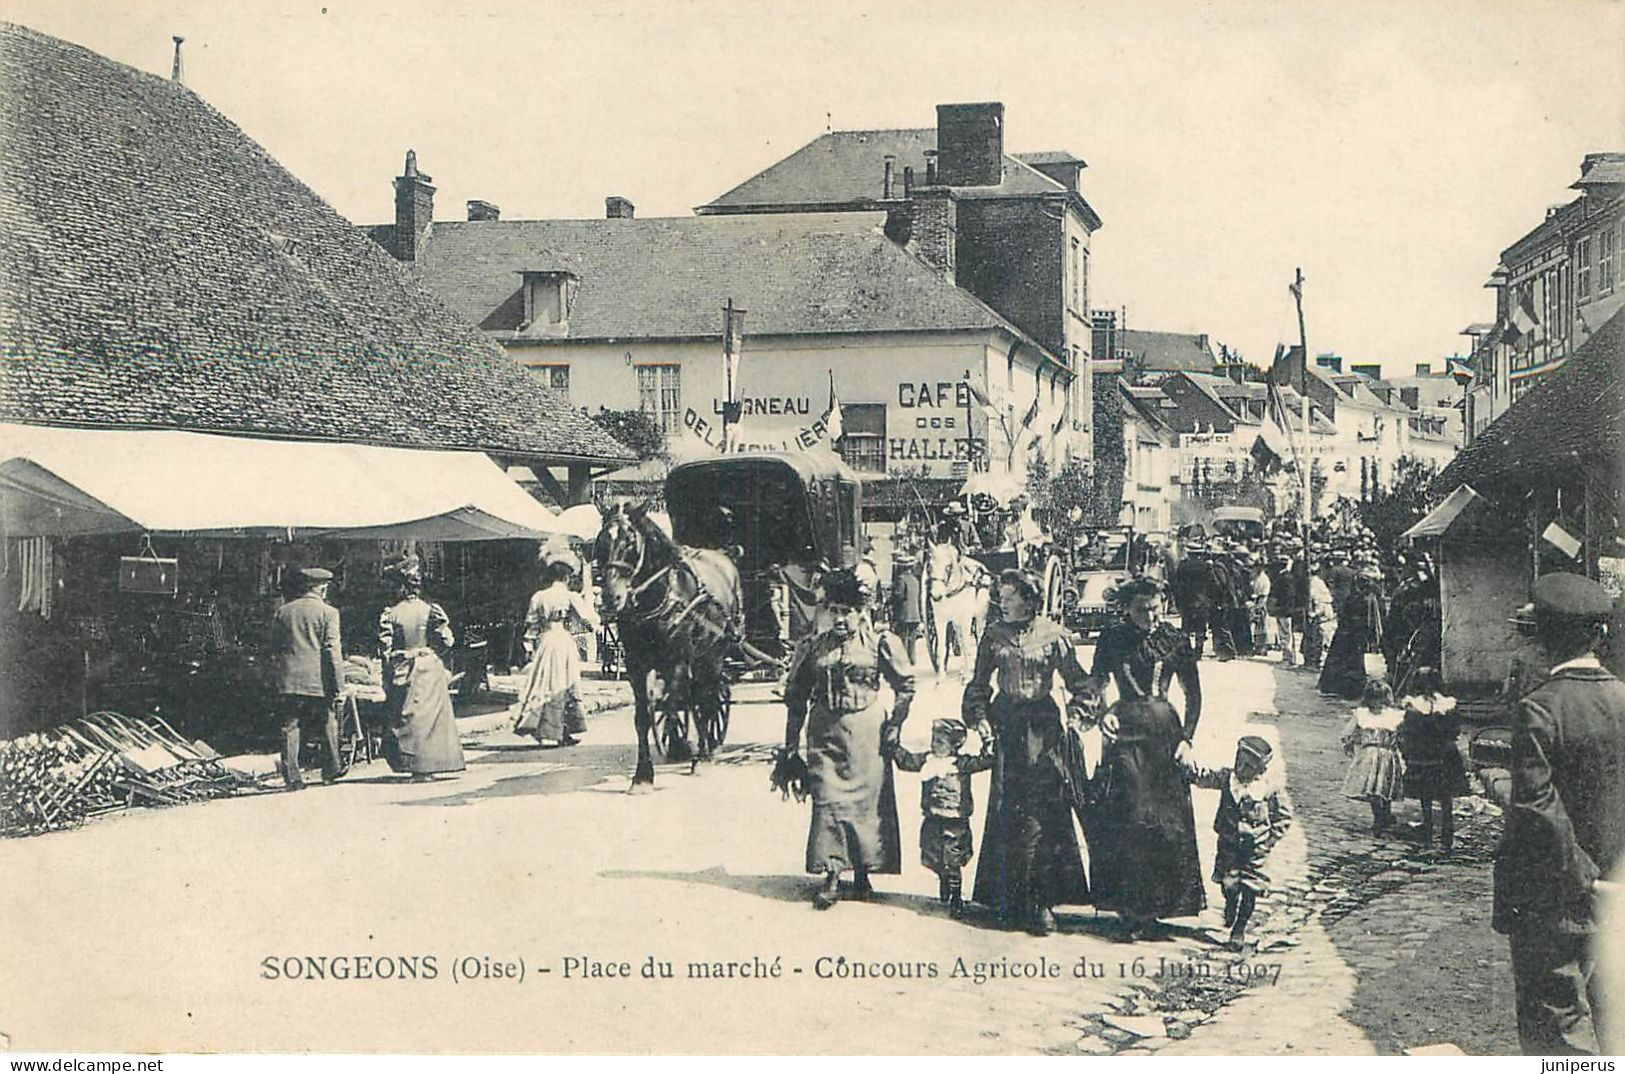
(758, 404)
(940, 394)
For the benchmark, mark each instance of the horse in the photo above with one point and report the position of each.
(958, 588)
(678, 613)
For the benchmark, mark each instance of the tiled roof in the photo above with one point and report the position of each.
(1601, 168)
(666, 278)
(1573, 418)
(1047, 156)
(160, 269)
(1168, 352)
(846, 169)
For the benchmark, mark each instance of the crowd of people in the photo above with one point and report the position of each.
(1367, 622)
(1135, 805)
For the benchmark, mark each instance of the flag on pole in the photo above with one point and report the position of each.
(832, 417)
(1274, 444)
(980, 398)
(1032, 413)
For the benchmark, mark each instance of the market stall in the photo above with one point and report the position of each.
(141, 568)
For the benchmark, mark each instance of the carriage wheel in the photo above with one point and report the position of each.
(1054, 587)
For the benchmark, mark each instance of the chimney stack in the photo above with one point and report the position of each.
(483, 210)
(930, 167)
(933, 225)
(1424, 369)
(177, 73)
(618, 208)
(888, 177)
(414, 209)
(970, 138)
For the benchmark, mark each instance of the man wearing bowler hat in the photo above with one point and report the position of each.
(307, 669)
(1565, 826)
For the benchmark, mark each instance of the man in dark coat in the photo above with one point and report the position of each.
(1565, 826)
(1194, 590)
(306, 671)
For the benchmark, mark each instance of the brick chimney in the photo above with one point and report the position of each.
(414, 209)
(1424, 369)
(970, 141)
(483, 210)
(1334, 362)
(888, 178)
(1367, 370)
(933, 227)
(618, 208)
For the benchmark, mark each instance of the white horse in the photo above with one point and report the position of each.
(958, 588)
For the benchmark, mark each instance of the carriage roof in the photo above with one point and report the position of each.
(785, 507)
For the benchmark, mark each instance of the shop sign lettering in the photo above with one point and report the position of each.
(942, 394)
(760, 404)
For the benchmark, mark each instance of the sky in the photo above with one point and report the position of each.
(1389, 148)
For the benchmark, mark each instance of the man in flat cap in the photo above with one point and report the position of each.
(1565, 826)
(307, 669)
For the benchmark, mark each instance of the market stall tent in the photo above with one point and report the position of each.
(72, 482)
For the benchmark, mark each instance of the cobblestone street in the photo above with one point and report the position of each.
(539, 855)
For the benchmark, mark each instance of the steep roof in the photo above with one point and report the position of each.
(846, 169)
(160, 269)
(1572, 418)
(665, 278)
(1168, 352)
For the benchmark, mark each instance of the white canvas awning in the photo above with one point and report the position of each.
(65, 482)
(1438, 521)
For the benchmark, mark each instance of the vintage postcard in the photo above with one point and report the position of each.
(771, 528)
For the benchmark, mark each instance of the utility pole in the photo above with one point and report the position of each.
(733, 340)
(1303, 391)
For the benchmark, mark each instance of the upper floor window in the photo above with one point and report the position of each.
(556, 377)
(1582, 271)
(1076, 270)
(1605, 261)
(660, 395)
(863, 436)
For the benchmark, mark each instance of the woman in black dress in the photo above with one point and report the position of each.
(1142, 833)
(1030, 861)
(1359, 631)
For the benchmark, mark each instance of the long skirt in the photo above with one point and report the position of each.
(1030, 855)
(551, 707)
(854, 817)
(1343, 673)
(1142, 831)
(423, 730)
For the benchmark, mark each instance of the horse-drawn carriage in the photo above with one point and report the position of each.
(726, 591)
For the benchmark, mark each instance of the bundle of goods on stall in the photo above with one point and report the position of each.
(57, 778)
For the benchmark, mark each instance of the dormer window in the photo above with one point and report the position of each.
(547, 294)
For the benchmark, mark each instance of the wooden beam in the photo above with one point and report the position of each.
(551, 486)
(580, 484)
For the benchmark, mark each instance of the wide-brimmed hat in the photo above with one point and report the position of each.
(844, 587)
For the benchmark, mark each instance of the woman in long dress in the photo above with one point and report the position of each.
(1142, 832)
(551, 708)
(833, 690)
(412, 634)
(1030, 860)
(1359, 631)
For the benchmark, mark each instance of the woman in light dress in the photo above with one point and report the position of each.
(551, 709)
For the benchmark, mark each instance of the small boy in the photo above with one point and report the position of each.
(946, 805)
(1254, 812)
